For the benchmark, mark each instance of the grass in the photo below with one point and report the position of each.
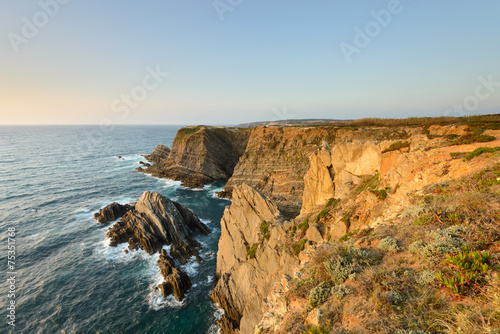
(264, 229)
(455, 290)
(472, 138)
(480, 150)
(251, 251)
(397, 146)
(297, 248)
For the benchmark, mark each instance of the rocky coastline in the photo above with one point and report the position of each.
(306, 199)
(150, 224)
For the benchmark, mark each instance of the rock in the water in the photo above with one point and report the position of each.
(157, 221)
(112, 212)
(177, 282)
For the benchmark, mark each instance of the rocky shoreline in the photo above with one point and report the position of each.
(152, 223)
(297, 193)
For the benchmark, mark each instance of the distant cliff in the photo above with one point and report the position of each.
(200, 155)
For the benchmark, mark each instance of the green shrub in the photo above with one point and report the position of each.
(340, 291)
(297, 248)
(444, 241)
(426, 277)
(388, 245)
(422, 220)
(304, 225)
(316, 330)
(321, 215)
(320, 294)
(481, 150)
(381, 194)
(332, 202)
(472, 138)
(348, 235)
(397, 146)
(264, 229)
(468, 268)
(339, 269)
(251, 251)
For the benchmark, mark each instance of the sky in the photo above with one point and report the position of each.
(236, 61)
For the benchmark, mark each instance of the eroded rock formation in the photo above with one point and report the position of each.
(248, 262)
(156, 221)
(112, 212)
(201, 155)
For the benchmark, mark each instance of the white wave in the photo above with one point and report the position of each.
(208, 255)
(206, 221)
(191, 268)
(171, 183)
(117, 254)
(155, 298)
(218, 313)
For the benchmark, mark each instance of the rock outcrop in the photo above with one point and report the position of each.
(201, 155)
(177, 282)
(156, 221)
(112, 212)
(248, 261)
(159, 155)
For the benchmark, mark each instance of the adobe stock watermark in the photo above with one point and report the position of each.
(30, 27)
(483, 91)
(281, 115)
(371, 30)
(223, 6)
(122, 106)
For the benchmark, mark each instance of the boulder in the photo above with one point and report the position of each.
(157, 221)
(112, 212)
(177, 282)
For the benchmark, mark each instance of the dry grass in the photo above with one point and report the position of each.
(396, 292)
(489, 120)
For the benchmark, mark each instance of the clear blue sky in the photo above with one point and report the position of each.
(266, 60)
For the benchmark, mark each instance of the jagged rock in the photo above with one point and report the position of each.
(111, 212)
(177, 282)
(446, 130)
(160, 153)
(158, 221)
(243, 284)
(319, 186)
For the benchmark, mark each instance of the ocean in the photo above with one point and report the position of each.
(66, 277)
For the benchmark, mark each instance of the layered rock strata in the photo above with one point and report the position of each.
(200, 155)
(248, 260)
(156, 221)
(112, 212)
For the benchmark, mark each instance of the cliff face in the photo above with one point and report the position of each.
(201, 155)
(352, 180)
(276, 160)
(249, 260)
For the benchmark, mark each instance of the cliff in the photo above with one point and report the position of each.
(346, 228)
(200, 155)
(249, 259)
(368, 185)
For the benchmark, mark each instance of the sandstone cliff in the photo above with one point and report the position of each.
(200, 155)
(341, 181)
(249, 259)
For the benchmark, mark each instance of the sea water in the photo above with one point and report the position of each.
(67, 277)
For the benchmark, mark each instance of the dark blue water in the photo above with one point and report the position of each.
(52, 180)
